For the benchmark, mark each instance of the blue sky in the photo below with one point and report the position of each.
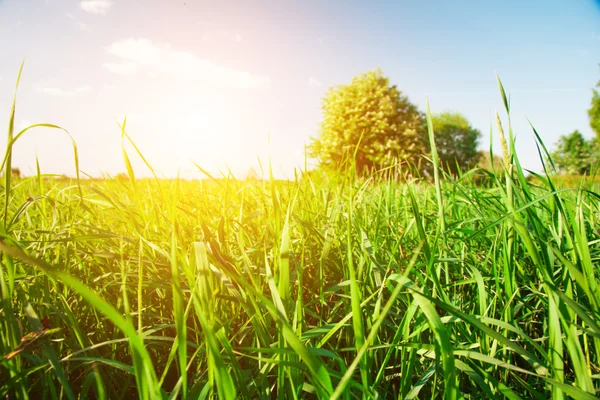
(224, 83)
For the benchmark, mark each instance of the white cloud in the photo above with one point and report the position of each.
(125, 68)
(56, 91)
(314, 82)
(160, 58)
(96, 6)
(80, 25)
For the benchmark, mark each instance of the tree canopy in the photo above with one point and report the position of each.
(368, 122)
(456, 141)
(574, 154)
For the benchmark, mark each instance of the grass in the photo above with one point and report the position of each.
(320, 287)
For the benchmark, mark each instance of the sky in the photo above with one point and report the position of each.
(226, 84)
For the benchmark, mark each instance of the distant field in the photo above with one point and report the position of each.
(329, 288)
(574, 181)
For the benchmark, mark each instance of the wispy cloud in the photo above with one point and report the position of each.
(96, 6)
(314, 82)
(161, 58)
(78, 24)
(125, 68)
(56, 91)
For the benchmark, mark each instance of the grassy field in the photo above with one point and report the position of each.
(319, 287)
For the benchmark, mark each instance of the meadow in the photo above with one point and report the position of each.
(333, 287)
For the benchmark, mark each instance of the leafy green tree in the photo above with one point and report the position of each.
(574, 154)
(456, 142)
(369, 122)
(594, 111)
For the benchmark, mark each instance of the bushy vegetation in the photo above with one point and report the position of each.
(594, 111)
(367, 124)
(329, 287)
(575, 155)
(456, 142)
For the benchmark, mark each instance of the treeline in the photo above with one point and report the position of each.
(370, 124)
(576, 155)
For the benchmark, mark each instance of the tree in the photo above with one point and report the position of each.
(370, 119)
(456, 141)
(594, 111)
(574, 154)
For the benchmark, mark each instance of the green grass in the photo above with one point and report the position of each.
(328, 287)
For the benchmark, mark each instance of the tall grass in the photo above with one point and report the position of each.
(321, 287)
